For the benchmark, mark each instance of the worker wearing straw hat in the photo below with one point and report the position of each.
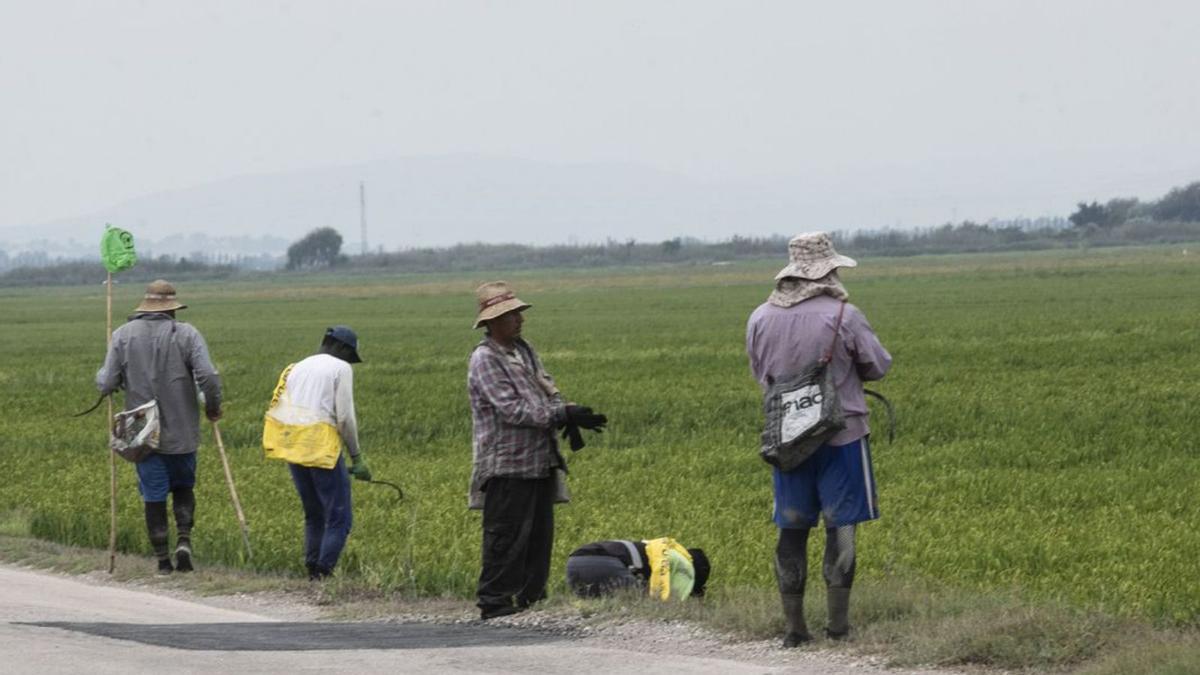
(518, 471)
(155, 357)
(806, 313)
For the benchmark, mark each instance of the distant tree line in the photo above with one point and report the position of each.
(1174, 218)
(84, 272)
(1180, 205)
(1123, 221)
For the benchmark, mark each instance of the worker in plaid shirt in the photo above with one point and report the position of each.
(518, 471)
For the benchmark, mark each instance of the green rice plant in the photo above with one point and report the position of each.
(1046, 421)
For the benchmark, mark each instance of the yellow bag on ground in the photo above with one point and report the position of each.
(672, 574)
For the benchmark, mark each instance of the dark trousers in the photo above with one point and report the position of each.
(325, 495)
(518, 534)
(594, 576)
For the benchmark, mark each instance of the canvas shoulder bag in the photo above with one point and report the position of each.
(802, 411)
(135, 433)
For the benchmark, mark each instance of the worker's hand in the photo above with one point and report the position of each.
(582, 416)
(359, 468)
(571, 434)
(215, 415)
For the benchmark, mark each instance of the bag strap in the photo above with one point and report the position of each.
(281, 385)
(837, 329)
(634, 556)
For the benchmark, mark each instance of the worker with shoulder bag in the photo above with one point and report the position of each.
(161, 364)
(811, 351)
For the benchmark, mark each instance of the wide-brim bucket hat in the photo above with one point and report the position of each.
(159, 297)
(812, 256)
(496, 298)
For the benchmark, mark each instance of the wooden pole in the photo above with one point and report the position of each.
(112, 456)
(237, 504)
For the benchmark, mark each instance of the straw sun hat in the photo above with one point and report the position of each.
(159, 297)
(496, 298)
(812, 257)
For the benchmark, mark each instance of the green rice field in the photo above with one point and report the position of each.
(1048, 411)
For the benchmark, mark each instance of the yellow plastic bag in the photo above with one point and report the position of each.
(315, 444)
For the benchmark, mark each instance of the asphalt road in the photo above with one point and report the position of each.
(56, 624)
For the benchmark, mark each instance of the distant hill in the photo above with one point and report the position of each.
(437, 201)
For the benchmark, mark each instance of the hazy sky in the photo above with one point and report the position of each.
(1003, 108)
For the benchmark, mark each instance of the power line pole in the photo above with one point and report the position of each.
(362, 213)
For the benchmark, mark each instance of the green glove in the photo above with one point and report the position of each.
(359, 468)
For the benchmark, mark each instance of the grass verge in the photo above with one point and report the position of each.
(903, 623)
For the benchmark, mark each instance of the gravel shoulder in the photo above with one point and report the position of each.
(560, 637)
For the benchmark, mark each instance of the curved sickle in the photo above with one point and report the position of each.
(399, 492)
(891, 413)
(98, 402)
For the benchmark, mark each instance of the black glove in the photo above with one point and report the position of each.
(571, 434)
(583, 417)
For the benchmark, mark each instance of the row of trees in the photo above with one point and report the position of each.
(83, 272)
(1180, 205)
(1173, 218)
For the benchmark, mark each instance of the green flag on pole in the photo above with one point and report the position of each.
(116, 249)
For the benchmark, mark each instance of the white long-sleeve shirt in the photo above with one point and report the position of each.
(321, 389)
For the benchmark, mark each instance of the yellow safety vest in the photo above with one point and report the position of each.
(315, 445)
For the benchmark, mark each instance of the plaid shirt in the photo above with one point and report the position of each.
(515, 409)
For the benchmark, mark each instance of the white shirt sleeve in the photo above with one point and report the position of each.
(343, 408)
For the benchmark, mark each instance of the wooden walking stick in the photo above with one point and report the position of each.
(237, 504)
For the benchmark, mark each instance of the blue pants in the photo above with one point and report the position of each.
(159, 474)
(325, 496)
(837, 483)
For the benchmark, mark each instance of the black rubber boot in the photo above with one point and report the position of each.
(156, 528)
(183, 502)
(791, 571)
(840, 562)
(839, 614)
(183, 557)
(793, 613)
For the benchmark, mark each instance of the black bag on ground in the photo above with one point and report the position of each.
(802, 411)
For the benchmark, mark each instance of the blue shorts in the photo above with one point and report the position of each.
(159, 474)
(837, 483)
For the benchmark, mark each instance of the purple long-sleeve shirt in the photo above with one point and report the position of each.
(781, 341)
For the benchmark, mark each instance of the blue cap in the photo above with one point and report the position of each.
(346, 336)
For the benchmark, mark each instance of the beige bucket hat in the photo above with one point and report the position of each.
(159, 297)
(812, 257)
(496, 298)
